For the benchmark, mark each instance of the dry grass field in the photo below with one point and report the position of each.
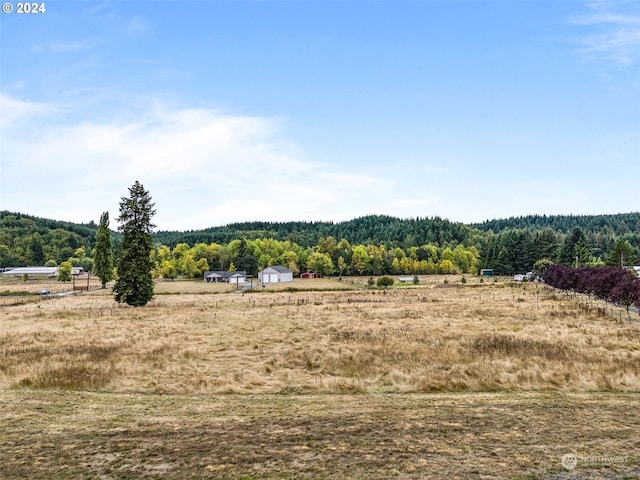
(319, 379)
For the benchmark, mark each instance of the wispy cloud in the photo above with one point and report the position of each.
(205, 167)
(18, 85)
(202, 167)
(13, 112)
(135, 25)
(616, 31)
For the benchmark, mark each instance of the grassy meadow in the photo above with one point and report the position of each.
(319, 379)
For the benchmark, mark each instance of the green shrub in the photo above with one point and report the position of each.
(385, 282)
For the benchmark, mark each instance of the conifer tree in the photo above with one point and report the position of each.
(134, 284)
(621, 255)
(245, 259)
(575, 250)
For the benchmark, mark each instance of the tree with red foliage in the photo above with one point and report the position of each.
(606, 283)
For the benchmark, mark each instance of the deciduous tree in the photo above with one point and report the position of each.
(320, 263)
(64, 272)
(168, 270)
(360, 259)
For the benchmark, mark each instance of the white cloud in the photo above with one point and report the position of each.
(616, 36)
(202, 168)
(205, 168)
(14, 111)
(135, 25)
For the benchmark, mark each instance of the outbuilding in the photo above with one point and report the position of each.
(275, 274)
(407, 279)
(34, 272)
(310, 274)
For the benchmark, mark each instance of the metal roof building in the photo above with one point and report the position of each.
(20, 271)
(39, 271)
(275, 274)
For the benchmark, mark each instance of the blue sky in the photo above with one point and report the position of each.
(230, 111)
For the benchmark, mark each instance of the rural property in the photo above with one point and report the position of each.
(319, 379)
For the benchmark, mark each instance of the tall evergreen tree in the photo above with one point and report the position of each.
(546, 245)
(246, 260)
(36, 250)
(514, 252)
(103, 258)
(621, 255)
(134, 284)
(575, 249)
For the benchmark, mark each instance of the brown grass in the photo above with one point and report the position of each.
(492, 337)
(47, 434)
(333, 384)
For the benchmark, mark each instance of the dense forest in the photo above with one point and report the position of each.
(372, 229)
(28, 240)
(619, 224)
(370, 245)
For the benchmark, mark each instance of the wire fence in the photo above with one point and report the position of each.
(43, 295)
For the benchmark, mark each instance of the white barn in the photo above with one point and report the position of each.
(275, 274)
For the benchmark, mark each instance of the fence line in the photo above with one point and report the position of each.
(8, 301)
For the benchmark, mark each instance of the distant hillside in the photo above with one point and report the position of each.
(29, 240)
(506, 245)
(620, 224)
(377, 229)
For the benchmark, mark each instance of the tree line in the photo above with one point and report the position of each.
(521, 250)
(370, 229)
(618, 224)
(28, 240)
(377, 244)
(328, 257)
